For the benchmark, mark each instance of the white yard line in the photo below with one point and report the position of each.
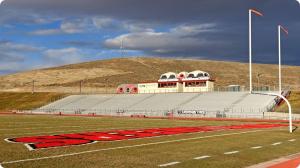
(277, 143)
(202, 157)
(168, 164)
(231, 152)
(256, 147)
(5, 129)
(292, 140)
(131, 146)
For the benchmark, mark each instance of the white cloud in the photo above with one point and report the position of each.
(94, 24)
(100, 22)
(13, 47)
(46, 32)
(183, 37)
(63, 56)
(194, 29)
(66, 27)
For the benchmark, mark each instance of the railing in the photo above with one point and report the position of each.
(261, 113)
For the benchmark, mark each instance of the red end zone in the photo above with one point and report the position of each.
(50, 141)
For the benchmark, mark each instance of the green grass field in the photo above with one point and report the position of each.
(147, 152)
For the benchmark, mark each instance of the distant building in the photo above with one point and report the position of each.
(196, 81)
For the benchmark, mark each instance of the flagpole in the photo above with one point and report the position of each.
(250, 51)
(279, 54)
(250, 45)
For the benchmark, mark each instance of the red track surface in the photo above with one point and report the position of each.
(48, 141)
(294, 163)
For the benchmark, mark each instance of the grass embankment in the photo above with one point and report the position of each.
(295, 103)
(26, 101)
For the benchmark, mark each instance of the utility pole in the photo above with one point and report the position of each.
(33, 87)
(80, 86)
(258, 79)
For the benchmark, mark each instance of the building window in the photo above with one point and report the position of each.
(191, 76)
(195, 84)
(164, 77)
(167, 85)
(172, 77)
(200, 75)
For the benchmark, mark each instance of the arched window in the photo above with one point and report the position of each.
(172, 77)
(164, 77)
(191, 76)
(128, 90)
(200, 75)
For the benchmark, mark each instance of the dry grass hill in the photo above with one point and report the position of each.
(107, 74)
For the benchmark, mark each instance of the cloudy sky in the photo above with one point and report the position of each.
(45, 33)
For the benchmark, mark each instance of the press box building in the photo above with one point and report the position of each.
(196, 81)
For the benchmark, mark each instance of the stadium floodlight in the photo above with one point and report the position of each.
(250, 44)
(279, 52)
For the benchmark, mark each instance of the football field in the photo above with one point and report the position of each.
(226, 146)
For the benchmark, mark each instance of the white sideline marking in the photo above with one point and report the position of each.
(168, 164)
(1, 166)
(277, 143)
(256, 147)
(232, 152)
(37, 128)
(292, 140)
(131, 146)
(201, 157)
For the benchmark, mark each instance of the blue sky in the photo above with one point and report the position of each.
(45, 33)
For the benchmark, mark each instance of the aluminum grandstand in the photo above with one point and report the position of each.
(210, 104)
(178, 95)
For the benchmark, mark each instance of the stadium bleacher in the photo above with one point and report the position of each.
(208, 104)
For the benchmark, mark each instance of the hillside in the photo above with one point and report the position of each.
(26, 101)
(99, 74)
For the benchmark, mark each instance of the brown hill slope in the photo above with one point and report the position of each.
(110, 73)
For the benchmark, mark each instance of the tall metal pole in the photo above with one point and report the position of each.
(279, 54)
(80, 87)
(33, 87)
(250, 45)
(250, 51)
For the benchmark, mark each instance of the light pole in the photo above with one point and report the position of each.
(258, 80)
(33, 87)
(250, 44)
(279, 52)
(122, 48)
